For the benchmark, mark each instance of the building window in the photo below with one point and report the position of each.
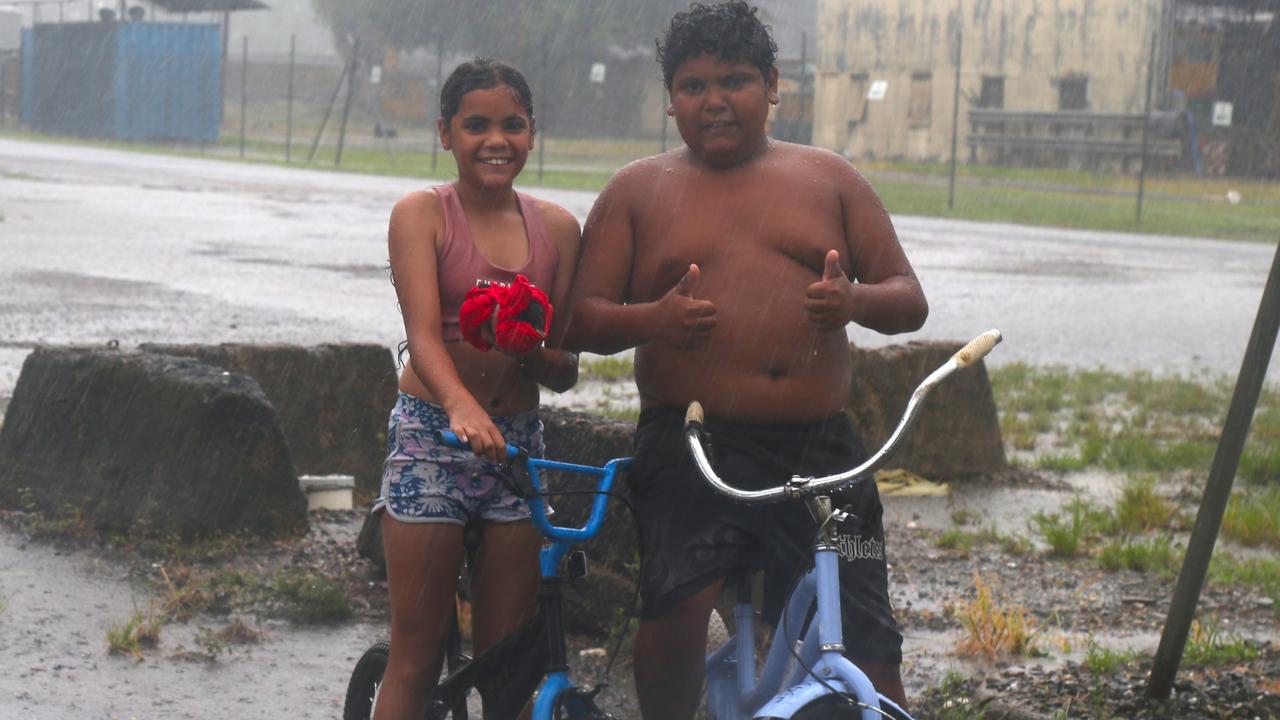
(992, 95)
(1073, 93)
(856, 99)
(920, 107)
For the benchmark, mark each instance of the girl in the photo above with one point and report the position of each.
(443, 242)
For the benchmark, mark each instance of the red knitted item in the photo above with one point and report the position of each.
(523, 317)
(476, 314)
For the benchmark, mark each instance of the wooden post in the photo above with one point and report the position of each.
(351, 92)
(1226, 460)
(955, 122)
(288, 111)
(1146, 124)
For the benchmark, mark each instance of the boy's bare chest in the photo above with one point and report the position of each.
(767, 230)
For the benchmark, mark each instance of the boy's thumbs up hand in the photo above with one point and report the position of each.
(687, 282)
(828, 302)
(684, 322)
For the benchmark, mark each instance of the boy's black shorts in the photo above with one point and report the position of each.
(691, 536)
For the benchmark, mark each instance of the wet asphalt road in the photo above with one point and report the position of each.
(99, 245)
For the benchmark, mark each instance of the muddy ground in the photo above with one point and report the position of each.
(62, 590)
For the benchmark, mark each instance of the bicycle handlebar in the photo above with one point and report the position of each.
(798, 486)
(537, 510)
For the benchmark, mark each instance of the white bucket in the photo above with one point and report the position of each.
(327, 492)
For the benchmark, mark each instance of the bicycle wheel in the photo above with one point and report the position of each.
(836, 707)
(362, 690)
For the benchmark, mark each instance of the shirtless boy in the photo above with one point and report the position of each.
(733, 265)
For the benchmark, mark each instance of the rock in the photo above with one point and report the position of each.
(333, 401)
(957, 432)
(137, 441)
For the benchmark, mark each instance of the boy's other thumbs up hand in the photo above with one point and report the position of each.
(684, 322)
(828, 302)
(832, 269)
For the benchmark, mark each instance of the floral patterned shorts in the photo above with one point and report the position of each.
(424, 480)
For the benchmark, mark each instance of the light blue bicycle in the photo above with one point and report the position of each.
(817, 681)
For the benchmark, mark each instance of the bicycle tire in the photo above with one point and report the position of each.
(362, 690)
(835, 707)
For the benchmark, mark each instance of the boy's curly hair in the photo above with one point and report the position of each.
(729, 30)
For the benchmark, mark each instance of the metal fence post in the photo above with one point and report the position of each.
(955, 122)
(288, 112)
(1217, 491)
(1146, 124)
(244, 87)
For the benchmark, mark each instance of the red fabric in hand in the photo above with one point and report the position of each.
(477, 311)
(524, 317)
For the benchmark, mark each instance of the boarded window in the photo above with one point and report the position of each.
(1073, 93)
(920, 108)
(856, 99)
(992, 95)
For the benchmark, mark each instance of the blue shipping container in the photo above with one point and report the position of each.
(123, 81)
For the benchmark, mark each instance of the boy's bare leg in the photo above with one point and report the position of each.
(670, 657)
(887, 678)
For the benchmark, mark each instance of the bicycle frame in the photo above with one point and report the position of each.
(822, 668)
(557, 683)
(734, 693)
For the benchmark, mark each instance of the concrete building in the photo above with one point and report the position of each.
(886, 69)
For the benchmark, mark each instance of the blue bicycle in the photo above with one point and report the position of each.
(534, 656)
(820, 683)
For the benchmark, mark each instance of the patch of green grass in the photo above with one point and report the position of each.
(1071, 420)
(1253, 517)
(1099, 660)
(965, 540)
(1261, 574)
(952, 699)
(1208, 645)
(310, 598)
(607, 369)
(141, 630)
(1070, 533)
(1156, 554)
(1141, 507)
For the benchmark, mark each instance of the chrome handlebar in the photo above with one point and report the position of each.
(800, 487)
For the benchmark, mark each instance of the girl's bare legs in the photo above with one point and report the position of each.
(504, 582)
(423, 561)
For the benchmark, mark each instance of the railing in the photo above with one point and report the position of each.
(1075, 138)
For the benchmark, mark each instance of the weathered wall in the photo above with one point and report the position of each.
(1031, 43)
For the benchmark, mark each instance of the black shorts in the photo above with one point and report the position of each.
(692, 536)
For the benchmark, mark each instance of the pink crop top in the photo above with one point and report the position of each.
(460, 265)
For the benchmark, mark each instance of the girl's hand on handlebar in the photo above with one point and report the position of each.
(828, 302)
(473, 426)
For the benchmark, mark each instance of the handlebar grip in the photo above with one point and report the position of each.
(693, 414)
(977, 348)
(451, 439)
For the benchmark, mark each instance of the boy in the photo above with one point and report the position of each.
(733, 265)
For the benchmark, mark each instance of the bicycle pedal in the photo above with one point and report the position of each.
(576, 565)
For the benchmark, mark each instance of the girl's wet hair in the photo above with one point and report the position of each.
(730, 31)
(481, 74)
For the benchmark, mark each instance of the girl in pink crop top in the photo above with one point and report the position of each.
(442, 241)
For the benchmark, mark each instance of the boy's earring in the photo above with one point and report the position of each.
(671, 110)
